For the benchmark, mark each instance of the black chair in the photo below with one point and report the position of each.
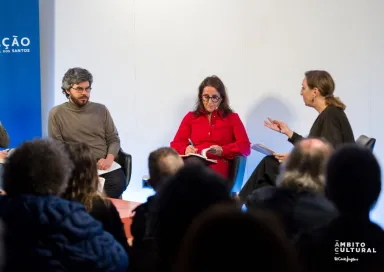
(125, 160)
(236, 173)
(366, 141)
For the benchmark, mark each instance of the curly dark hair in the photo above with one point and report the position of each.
(75, 76)
(84, 180)
(38, 167)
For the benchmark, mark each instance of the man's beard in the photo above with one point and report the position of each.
(79, 101)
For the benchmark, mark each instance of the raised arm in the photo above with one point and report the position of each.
(295, 138)
(241, 144)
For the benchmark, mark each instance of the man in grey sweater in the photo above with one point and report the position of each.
(80, 120)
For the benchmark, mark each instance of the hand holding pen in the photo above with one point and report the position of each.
(190, 148)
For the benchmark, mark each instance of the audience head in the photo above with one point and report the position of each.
(304, 169)
(188, 193)
(163, 163)
(84, 181)
(353, 180)
(76, 85)
(212, 96)
(38, 167)
(224, 238)
(319, 85)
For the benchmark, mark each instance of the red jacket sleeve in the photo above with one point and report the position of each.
(241, 145)
(180, 142)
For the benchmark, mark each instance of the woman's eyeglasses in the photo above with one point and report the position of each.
(214, 98)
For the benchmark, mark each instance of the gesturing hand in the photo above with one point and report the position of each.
(278, 126)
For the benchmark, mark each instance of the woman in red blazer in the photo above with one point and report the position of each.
(214, 125)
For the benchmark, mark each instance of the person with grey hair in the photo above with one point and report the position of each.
(82, 121)
(44, 231)
(298, 199)
(350, 241)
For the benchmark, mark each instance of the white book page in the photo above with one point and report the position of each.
(113, 167)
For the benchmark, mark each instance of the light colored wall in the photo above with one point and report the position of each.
(148, 58)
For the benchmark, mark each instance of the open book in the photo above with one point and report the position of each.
(203, 155)
(113, 167)
(262, 149)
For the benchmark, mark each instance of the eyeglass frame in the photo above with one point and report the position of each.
(206, 98)
(80, 90)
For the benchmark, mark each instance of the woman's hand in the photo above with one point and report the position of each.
(190, 149)
(216, 149)
(278, 126)
(281, 157)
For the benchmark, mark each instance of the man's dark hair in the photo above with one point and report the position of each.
(162, 164)
(353, 179)
(75, 76)
(38, 167)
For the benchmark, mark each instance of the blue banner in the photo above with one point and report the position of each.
(20, 101)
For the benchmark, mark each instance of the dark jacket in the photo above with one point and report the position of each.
(47, 233)
(299, 211)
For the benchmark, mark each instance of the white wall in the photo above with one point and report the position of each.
(148, 58)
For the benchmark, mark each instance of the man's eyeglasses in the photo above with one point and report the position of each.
(81, 89)
(214, 98)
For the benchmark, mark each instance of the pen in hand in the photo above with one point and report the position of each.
(190, 142)
(191, 148)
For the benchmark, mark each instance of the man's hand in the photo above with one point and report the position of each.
(104, 164)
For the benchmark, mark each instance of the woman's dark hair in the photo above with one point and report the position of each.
(215, 82)
(84, 181)
(323, 81)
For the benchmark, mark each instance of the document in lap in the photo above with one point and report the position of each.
(203, 155)
(262, 149)
(113, 167)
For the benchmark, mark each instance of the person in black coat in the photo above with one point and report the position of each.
(331, 124)
(298, 200)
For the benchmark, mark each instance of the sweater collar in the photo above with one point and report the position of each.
(75, 107)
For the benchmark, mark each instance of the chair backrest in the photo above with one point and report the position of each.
(366, 141)
(125, 160)
(236, 174)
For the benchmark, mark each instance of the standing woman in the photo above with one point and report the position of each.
(213, 125)
(331, 124)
